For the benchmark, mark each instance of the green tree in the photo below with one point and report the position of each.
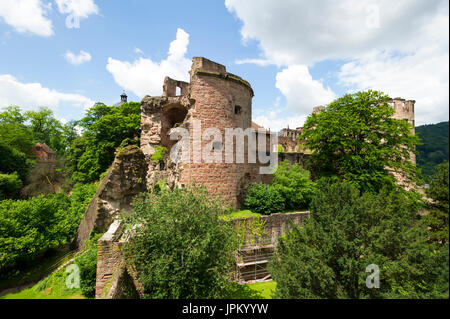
(10, 185)
(12, 160)
(295, 185)
(104, 129)
(13, 130)
(31, 227)
(434, 148)
(180, 247)
(327, 257)
(356, 139)
(437, 219)
(264, 199)
(46, 129)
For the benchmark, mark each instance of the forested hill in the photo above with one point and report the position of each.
(434, 148)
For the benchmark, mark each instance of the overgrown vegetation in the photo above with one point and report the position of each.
(437, 219)
(104, 129)
(348, 231)
(291, 189)
(433, 149)
(158, 155)
(264, 199)
(87, 263)
(31, 227)
(180, 247)
(366, 148)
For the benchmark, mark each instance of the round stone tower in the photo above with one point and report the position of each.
(222, 101)
(404, 110)
(215, 108)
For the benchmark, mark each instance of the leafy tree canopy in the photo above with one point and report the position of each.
(356, 139)
(180, 247)
(104, 129)
(438, 216)
(433, 149)
(328, 256)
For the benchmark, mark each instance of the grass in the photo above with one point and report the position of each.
(265, 289)
(52, 287)
(258, 290)
(36, 271)
(239, 214)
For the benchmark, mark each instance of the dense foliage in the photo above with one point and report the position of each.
(180, 247)
(10, 184)
(438, 191)
(264, 199)
(433, 149)
(31, 227)
(104, 129)
(13, 161)
(291, 189)
(347, 231)
(294, 185)
(87, 263)
(367, 147)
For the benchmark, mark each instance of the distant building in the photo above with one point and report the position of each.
(123, 99)
(43, 153)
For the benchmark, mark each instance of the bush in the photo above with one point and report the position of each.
(31, 227)
(295, 185)
(264, 199)
(438, 191)
(327, 257)
(87, 262)
(158, 155)
(12, 161)
(180, 248)
(10, 185)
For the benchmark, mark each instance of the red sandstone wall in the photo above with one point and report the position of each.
(215, 100)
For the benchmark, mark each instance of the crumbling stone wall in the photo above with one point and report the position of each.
(124, 179)
(116, 279)
(275, 225)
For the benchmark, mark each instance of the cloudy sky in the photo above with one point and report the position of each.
(297, 54)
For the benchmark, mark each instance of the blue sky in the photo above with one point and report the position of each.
(295, 54)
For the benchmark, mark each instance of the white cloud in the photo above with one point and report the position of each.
(78, 59)
(260, 62)
(275, 122)
(422, 75)
(138, 51)
(400, 47)
(30, 96)
(78, 8)
(301, 91)
(303, 31)
(144, 76)
(26, 16)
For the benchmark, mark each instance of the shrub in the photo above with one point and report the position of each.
(180, 248)
(438, 191)
(327, 257)
(30, 227)
(295, 185)
(10, 184)
(11, 160)
(158, 155)
(87, 262)
(264, 199)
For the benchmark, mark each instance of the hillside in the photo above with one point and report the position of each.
(434, 148)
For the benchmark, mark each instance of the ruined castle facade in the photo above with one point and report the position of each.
(215, 99)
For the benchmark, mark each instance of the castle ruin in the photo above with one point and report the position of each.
(215, 99)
